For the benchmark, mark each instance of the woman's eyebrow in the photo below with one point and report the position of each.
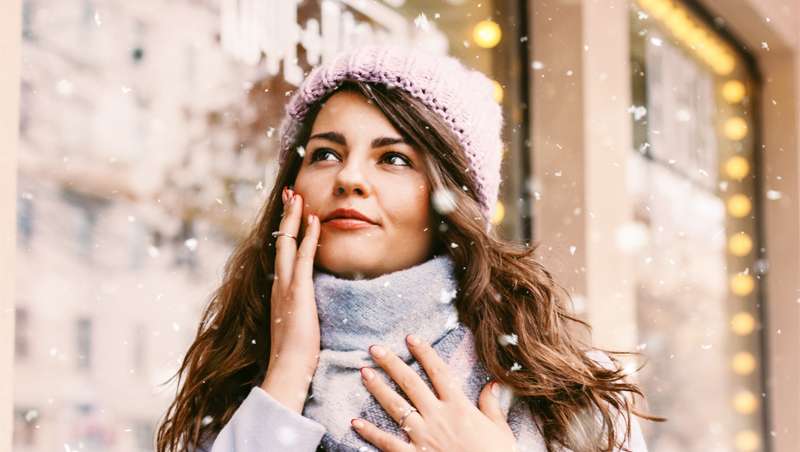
(338, 138)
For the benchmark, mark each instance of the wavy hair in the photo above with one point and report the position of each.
(576, 400)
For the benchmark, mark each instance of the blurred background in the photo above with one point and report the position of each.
(651, 146)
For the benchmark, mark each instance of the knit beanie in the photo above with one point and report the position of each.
(460, 96)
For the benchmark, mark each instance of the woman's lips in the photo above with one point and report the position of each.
(348, 223)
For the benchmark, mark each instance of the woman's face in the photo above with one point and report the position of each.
(355, 159)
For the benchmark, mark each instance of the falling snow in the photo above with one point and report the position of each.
(444, 201)
(506, 339)
(422, 23)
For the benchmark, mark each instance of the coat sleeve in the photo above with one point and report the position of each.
(263, 424)
(635, 443)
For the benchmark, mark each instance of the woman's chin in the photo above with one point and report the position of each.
(348, 266)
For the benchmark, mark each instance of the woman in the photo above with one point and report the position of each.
(372, 307)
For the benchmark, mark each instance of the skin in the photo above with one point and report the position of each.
(387, 183)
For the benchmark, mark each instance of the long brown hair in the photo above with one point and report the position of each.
(503, 289)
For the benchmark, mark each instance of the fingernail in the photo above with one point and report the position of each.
(283, 195)
(413, 340)
(377, 351)
(357, 423)
(367, 373)
(310, 219)
(495, 389)
(293, 197)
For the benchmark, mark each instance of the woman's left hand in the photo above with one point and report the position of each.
(445, 423)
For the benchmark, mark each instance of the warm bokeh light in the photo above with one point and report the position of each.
(487, 34)
(735, 128)
(737, 167)
(739, 205)
(499, 213)
(726, 64)
(693, 34)
(745, 402)
(733, 91)
(743, 363)
(743, 323)
(740, 244)
(498, 91)
(747, 441)
(742, 284)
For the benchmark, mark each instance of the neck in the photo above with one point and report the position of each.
(354, 314)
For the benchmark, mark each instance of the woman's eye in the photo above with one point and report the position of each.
(320, 152)
(397, 157)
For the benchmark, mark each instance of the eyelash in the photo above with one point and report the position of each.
(317, 152)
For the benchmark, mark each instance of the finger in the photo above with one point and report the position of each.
(286, 247)
(489, 404)
(380, 439)
(392, 402)
(446, 385)
(304, 261)
(409, 381)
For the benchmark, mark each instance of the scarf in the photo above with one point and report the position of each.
(354, 314)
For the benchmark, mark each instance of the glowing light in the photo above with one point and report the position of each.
(747, 441)
(733, 91)
(739, 205)
(737, 167)
(498, 91)
(735, 128)
(743, 323)
(745, 402)
(499, 213)
(743, 363)
(487, 34)
(742, 284)
(740, 244)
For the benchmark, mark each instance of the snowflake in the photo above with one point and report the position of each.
(444, 201)
(515, 366)
(506, 339)
(446, 296)
(191, 244)
(639, 111)
(422, 23)
(301, 151)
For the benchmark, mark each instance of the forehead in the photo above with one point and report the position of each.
(351, 113)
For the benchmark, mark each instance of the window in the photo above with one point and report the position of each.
(139, 349)
(25, 218)
(694, 182)
(83, 336)
(21, 333)
(25, 423)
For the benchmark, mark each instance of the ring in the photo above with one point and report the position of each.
(407, 414)
(279, 233)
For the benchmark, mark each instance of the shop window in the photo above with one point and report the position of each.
(694, 181)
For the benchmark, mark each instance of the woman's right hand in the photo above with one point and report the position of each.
(294, 333)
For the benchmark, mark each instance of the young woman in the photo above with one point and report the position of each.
(372, 306)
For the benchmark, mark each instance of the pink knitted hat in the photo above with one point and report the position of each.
(462, 97)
